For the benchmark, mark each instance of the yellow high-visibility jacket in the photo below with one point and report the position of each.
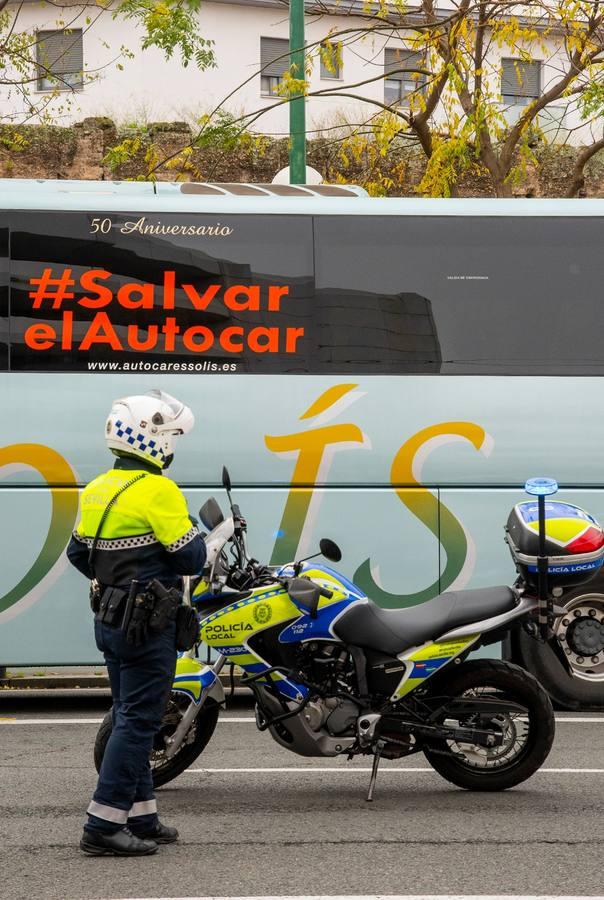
(147, 533)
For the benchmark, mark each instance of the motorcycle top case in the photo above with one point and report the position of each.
(574, 543)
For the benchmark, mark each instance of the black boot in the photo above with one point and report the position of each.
(120, 843)
(161, 834)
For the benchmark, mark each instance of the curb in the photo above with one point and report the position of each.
(77, 682)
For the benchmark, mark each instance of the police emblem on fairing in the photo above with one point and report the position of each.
(262, 613)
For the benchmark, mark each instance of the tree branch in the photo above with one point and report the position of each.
(577, 182)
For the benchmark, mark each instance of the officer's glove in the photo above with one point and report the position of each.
(136, 633)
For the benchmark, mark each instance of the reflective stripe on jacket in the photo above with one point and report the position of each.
(147, 534)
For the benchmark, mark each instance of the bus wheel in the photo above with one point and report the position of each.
(581, 637)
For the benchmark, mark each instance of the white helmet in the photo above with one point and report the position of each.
(145, 426)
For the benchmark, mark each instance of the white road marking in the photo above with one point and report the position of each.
(560, 720)
(230, 720)
(50, 721)
(13, 720)
(313, 770)
(393, 897)
(244, 719)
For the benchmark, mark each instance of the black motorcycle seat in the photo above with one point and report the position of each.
(395, 630)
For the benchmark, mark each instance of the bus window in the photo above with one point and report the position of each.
(4, 321)
(192, 293)
(502, 296)
(373, 323)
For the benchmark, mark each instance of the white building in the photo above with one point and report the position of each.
(247, 34)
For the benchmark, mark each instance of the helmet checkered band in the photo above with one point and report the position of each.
(138, 441)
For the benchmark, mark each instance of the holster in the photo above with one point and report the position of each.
(169, 607)
(165, 605)
(187, 628)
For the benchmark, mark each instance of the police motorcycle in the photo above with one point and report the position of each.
(333, 674)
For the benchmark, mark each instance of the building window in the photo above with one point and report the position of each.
(520, 81)
(60, 59)
(331, 60)
(399, 86)
(274, 62)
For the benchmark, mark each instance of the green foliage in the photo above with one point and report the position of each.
(171, 25)
(330, 54)
(364, 159)
(224, 132)
(14, 141)
(290, 86)
(592, 100)
(451, 158)
(125, 152)
(141, 147)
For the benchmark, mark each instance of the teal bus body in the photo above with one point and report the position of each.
(385, 372)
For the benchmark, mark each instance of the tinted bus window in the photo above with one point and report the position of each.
(4, 320)
(501, 296)
(192, 293)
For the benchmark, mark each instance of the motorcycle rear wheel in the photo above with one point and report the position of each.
(162, 768)
(526, 740)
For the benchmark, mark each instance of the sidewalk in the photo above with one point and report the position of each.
(70, 678)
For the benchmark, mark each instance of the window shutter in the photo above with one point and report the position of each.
(520, 78)
(274, 58)
(61, 52)
(402, 59)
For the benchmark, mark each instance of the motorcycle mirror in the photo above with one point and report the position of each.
(330, 550)
(211, 514)
(226, 478)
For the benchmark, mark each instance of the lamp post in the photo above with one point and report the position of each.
(297, 111)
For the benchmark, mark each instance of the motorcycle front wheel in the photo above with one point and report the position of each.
(195, 742)
(524, 738)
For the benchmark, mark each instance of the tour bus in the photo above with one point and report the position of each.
(383, 372)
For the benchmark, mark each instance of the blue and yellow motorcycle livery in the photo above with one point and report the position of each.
(334, 674)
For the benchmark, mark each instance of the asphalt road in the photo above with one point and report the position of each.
(256, 820)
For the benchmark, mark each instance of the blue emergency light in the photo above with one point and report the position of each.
(541, 487)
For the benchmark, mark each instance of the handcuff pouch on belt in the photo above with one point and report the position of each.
(111, 605)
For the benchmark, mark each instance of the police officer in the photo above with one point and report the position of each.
(145, 533)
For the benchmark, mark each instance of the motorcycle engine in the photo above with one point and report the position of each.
(337, 715)
(328, 667)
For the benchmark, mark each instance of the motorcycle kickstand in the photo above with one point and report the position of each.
(377, 755)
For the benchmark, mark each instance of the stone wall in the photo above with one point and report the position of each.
(41, 151)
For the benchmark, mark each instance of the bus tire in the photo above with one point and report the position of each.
(542, 661)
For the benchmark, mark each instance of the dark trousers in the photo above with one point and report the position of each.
(140, 678)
